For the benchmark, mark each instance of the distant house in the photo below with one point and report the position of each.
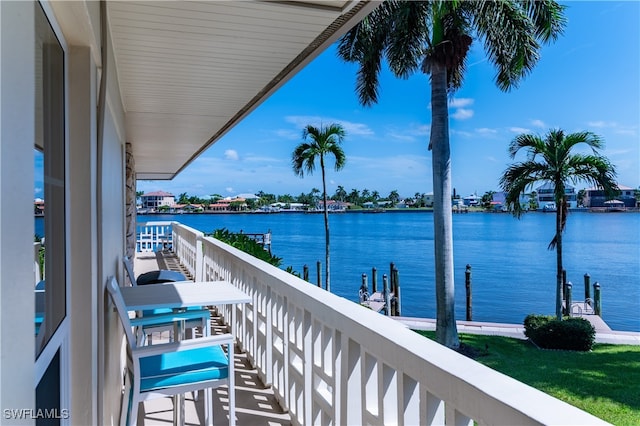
(333, 206)
(545, 195)
(38, 207)
(595, 197)
(220, 206)
(154, 200)
(472, 200)
(187, 208)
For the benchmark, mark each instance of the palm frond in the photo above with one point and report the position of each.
(589, 138)
(319, 142)
(408, 37)
(518, 178)
(548, 18)
(533, 142)
(509, 40)
(365, 44)
(595, 170)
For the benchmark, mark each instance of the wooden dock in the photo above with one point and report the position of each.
(585, 310)
(376, 301)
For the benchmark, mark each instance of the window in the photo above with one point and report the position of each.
(50, 174)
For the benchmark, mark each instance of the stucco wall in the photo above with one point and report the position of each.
(17, 135)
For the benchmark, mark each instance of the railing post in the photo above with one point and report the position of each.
(199, 275)
(587, 287)
(597, 299)
(568, 297)
(305, 272)
(467, 285)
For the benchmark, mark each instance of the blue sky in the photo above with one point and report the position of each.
(588, 80)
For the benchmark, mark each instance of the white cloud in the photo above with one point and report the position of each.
(627, 132)
(538, 123)
(262, 159)
(231, 154)
(300, 121)
(229, 190)
(601, 124)
(400, 137)
(422, 129)
(460, 133)
(492, 159)
(617, 128)
(288, 134)
(486, 131)
(460, 102)
(519, 130)
(462, 114)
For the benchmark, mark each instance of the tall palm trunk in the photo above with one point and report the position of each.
(559, 213)
(446, 331)
(326, 227)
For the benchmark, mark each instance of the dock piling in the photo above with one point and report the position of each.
(564, 287)
(364, 289)
(374, 280)
(319, 273)
(385, 295)
(587, 287)
(305, 272)
(396, 293)
(467, 285)
(597, 299)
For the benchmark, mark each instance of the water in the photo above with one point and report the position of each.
(513, 272)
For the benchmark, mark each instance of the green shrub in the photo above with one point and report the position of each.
(246, 244)
(576, 334)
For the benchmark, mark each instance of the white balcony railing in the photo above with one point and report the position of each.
(151, 236)
(331, 361)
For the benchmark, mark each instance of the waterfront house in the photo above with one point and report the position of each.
(109, 92)
(596, 197)
(472, 200)
(152, 201)
(333, 206)
(545, 195)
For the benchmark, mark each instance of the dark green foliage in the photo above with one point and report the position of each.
(575, 334)
(290, 270)
(246, 244)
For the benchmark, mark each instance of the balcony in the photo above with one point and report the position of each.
(311, 357)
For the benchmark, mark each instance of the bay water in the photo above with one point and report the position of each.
(513, 272)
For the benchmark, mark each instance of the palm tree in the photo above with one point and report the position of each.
(394, 197)
(322, 141)
(550, 159)
(434, 37)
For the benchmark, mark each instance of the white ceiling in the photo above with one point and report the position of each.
(190, 71)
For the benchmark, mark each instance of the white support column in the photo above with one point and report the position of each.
(83, 242)
(17, 138)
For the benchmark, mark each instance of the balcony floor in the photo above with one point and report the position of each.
(255, 403)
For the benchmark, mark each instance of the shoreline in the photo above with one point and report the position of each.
(365, 211)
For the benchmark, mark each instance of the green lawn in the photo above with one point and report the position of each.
(604, 382)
